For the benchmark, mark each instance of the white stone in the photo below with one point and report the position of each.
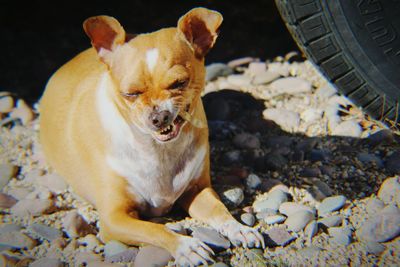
(22, 112)
(256, 68)
(348, 128)
(6, 104)
(288, 120)
(239, 80)
(291, 85)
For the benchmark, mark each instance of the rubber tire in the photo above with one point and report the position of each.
(356, 45)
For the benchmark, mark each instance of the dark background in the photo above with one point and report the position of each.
(37, 37)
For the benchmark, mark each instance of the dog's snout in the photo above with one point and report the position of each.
(160, 119)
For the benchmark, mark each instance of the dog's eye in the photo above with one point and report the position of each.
(179, 84)
(131, 95)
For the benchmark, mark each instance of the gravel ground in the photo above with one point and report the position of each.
(290, 156)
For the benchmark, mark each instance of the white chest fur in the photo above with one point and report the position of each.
(157, 173)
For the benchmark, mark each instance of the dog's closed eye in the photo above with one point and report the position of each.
(178, 84)
(131, 94)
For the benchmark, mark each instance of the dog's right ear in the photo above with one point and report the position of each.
(104, 32)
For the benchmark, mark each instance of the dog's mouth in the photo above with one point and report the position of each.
(171, 131)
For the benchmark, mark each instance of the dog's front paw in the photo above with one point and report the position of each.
(192, 252)
(240, 234)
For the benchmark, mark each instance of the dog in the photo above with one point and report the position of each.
(124, 123)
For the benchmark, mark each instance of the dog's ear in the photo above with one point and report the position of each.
(104, 32)
(200, 28)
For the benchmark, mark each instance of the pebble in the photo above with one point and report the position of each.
(86, 258)
(7, 171)
(239, 80)
(278, 237)
(325, 92)
(32, 207)
(274, 162)
(319, 155)
(219, 264)
(289, 208)
(265, 77)
(4, 228)
(240, 61)
(75, 225)
(291, 85)
(211, 237)
(331, 204)
(20, 192)
(266, 204)
(47, 262)
(90, 242)
(216, 70)
(310, 172)
(22, 112)
(6, 201)
(374, 205)
(128, 255)
(53, 182)
(16, 240)
(281, 68)
(311, 114)
(366, 159)
(235, 196)
(6, 104)
(46, 232)
(230, 157)
(331, 221)
(311, 230)
(382, 137)
(348, 128)
(266, 212)
(392, 163)
(309, 252)
(288, 120)
(256, 68)
(113, 247)
(246, 141)
(382, 227)
(373, 247)
(248, 219)
(307, 145)
(340, 236)
(273, 219)
(151, 256)
(253, 182)
(298, 220)
(254, 254)
(389, 189)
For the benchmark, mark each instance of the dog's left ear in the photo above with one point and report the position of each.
(104, 32)
(200, 28)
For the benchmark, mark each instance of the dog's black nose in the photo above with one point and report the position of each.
(160, 119)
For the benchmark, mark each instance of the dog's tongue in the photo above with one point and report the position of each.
(189, 118)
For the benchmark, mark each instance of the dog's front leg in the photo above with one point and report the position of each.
(119, 220)
(204, 204)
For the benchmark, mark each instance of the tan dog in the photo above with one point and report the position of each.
(123, 122)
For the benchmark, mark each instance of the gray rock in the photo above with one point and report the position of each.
(274, 161)
(298, 220)
(113, 247)
(230, 157)
(87, 259)
(319, 155)
(151, 256)
(348, 128)
(256, 68)
(254, 254)
(374, 205)
(265, 77)
(288, 120)
(219, 264)
(289, 208)
(7, 171)
(75, 225)
(311, 230)
(309, 252)
(32, 207)
(6, 201)
(128, 255)
(235, 196)
(273, 219)
(278, 237)
(47, 262)
(90, 242)
(331, 221)
(4, 228)
(278, 196)
(374, 247)
(246, 141)
(266, 204)
(211, 237)
(322, 187)
(383, 227)
(216, 70)
(248, 219)
(265, 213)
(367, 159)
(392, 163)
(239, 80)
(16, 240)
(53, 182)
(253, 182)
(382, 137)
(340, 235)
(46, 232)
(389, 189)
(291, 85)
(331, 204)
(307, 145)
(20, 192)
(310, 172)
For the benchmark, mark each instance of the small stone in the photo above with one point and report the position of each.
(278, 196)
(289, 208)
(253, 182)
(75, 225)
(273, 184)
(322, 187)
(113, 247)
(240, 61)
(90, 242)
(310, 172)
(86, 258)
(389, 189)
(6, 104)
(47, 262)
(22, 112)
(382, 137)
(7, 171)
(211, 237)
(348, 128)
(128, 255)
(291, 85)
(265, 204)
(274, 161)
(254, 254)
(319, 155)
(310, 115)
(278, 237)
(309, 252)
(4, 228)
(45, 231)
(265, 213)
(311, 230)
(6, 201)
(374, 206)
(374, 247)
(53, 182)
(392, 163)
(288, 120)
(32, 207)
(298, 220)
(98, 263)
(16, 240)
(151, 256)
(219, 264)
(255, 68)
(366, 159)
(230, 157)
(339, 236)
(326, 92)
(273, 219)
(20, 192)
(235, 196)
(239, 80)
(246, 141)
(248, 219)
(265, 77)
(216, 70)
(331, 204)
(307, 145)
(331, 221)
